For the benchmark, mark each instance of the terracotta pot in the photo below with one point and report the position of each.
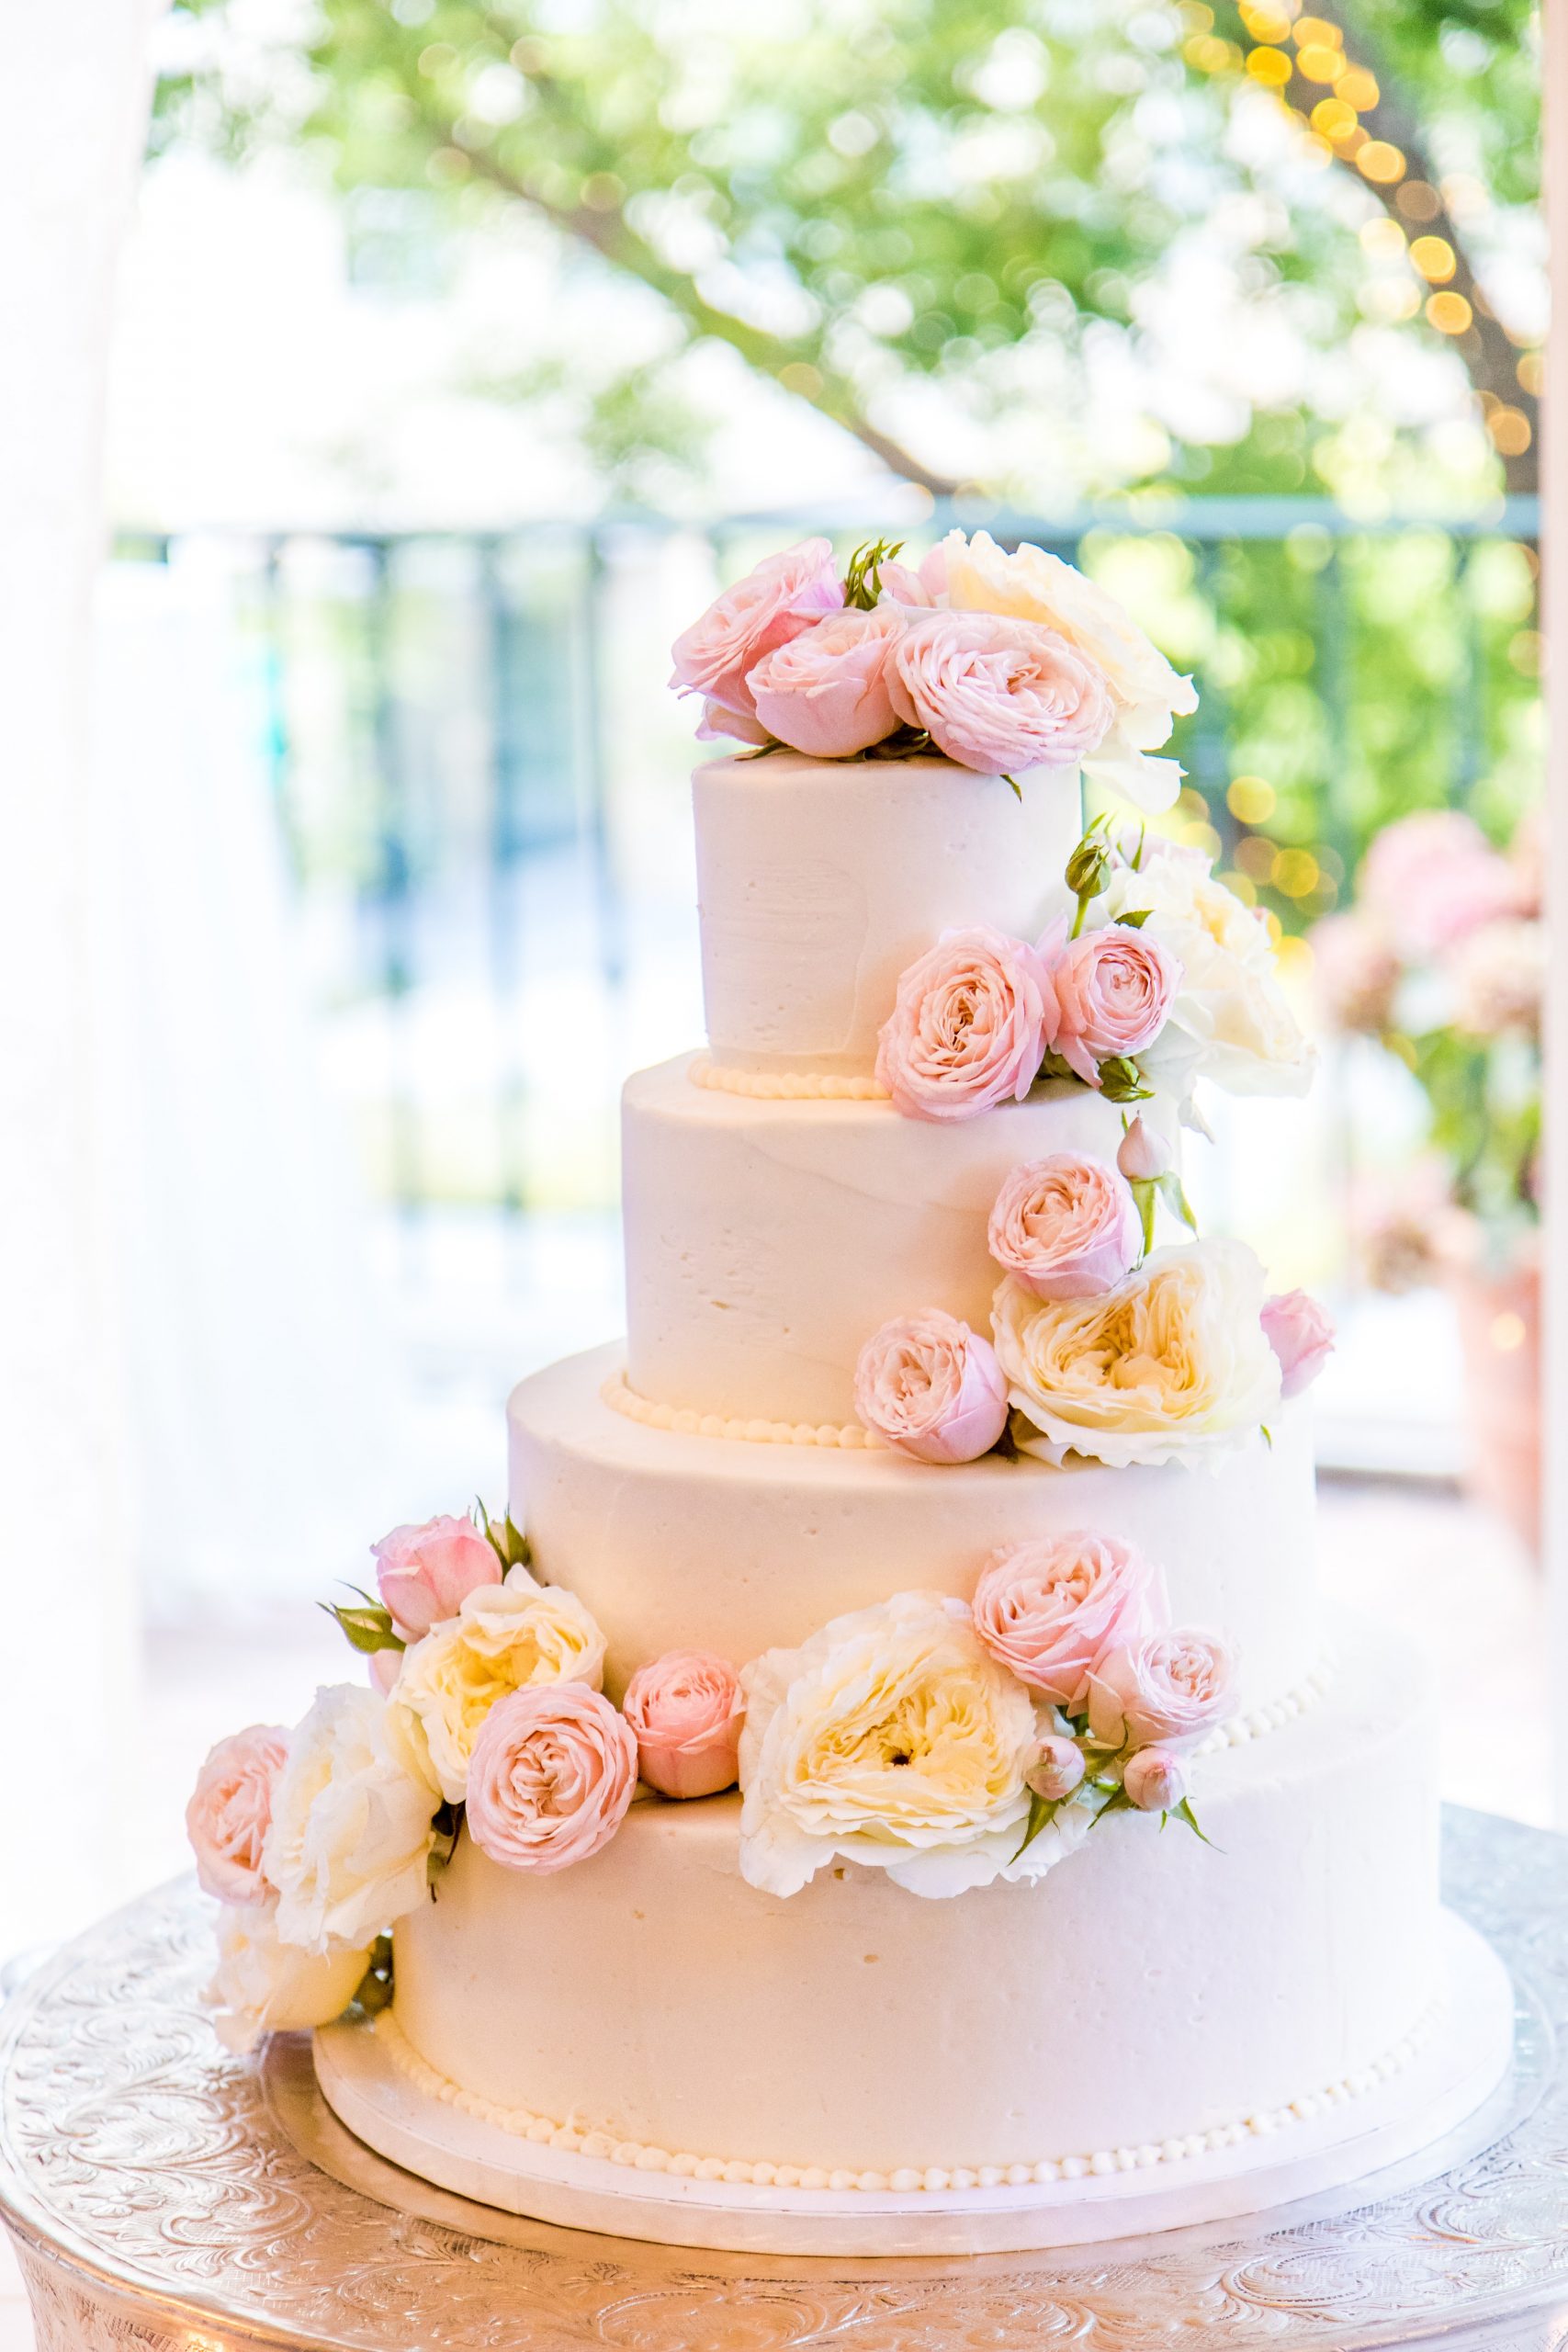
(1499, 1320)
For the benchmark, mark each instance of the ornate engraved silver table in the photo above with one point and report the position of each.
(161, 2195)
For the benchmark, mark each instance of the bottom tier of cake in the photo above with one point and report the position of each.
(1152, 1991)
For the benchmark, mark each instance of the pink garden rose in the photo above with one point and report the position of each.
(426, 1573)
(1165, 1691)
(230, 1811)
(785, 595)
(998, 695)
(932, 1388)
(686, 1712)
(1432, 878)
(1155, 1779)
(553, 1771)
(1051, 1611)
(967, 1029)
(1057, 1768)
(825, 693)
(1067, 1226)
(1108, 992)
(1302, 1337)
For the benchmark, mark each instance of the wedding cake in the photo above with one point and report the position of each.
(889, 1782)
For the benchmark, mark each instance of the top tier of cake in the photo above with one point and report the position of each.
(820, 881)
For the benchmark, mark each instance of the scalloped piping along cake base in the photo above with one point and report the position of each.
(1328, 2138)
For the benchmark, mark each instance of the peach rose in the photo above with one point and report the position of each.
(785, 595)
(967, 1029)
(1108, 993)
(1155, 1779)
(997, 694)
(686, 1713)
(932, 1388)
(1067, 1226)
(425, 1572)
(1165, 1691)
(826, 692)
(1050, 1611)
(230, 1811)
(553, 1771)
(1302, 1337)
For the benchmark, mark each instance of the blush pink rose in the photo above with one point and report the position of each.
(825, 693)
(1057, 1768)
(739, 725)
(1432, 878)
(998, 695)
(685, 1711)
(1051, 1611)
(1108, 992)
(1302, 1337)
(785, 597)
(425, 1572)
(1155, 1779)
(1165, 1691)
(932, 1388)
(1067, 1226)
(553, 1771)
(967, 1029)
(1142, 1156)
(231, 1810)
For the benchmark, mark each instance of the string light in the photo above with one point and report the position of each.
(1318, 61)
(1295, 873)
(1510, 430)
(1530, 369)
(1381, 162)
(1269, 66)
(1358, 89)
(1450, 313)
(1333, 119)
(1251, 800)
(1434, 257)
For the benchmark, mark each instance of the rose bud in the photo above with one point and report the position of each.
(1155, 1780)
(1143, 1156)
(1056, 1770)
(685, 1713)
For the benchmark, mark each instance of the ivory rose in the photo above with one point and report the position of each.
(1155, 1779)
(264, 1985)
(785, 595)
(351, 1824)
(1108, 992)
(1171, 1365)
(890, 1738)
(504, 1638)
(932, 1388)
(1147, 693)
(1066, 1227)
(427, 1572)
(1165, 1690)
(998, 695)
(230, 1810)
(1229, 1020)
(684, 1711)
(1301, 1336)
(1050, 1611)
(825, 693)
(967, 1029)
(554, 1770)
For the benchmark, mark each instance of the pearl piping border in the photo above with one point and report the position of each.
(933, 2180)
(783, 1085)
(621, 1397)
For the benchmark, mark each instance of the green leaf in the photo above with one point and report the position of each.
(1121, 1080)
(1184, 1812)
(863, 577)
(368, 1630)
(448, 1822)
(1017, 787)
(1043, 1812)
(507, 1540)
(1145, 1192)
(1136, 921)
(1175, 1199)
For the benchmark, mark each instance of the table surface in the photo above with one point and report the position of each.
(161, 2194)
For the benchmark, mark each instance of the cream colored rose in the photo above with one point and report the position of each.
(893, 1740)
(1148, 693)
(1230, 1021)
(1171, 1365)
(351, 1824)
(505, 1637)
(264, 1985)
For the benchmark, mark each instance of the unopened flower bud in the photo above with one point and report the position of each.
(1155, 1780)
(1143, 1157)
(1088, 869)
(1057, 1768)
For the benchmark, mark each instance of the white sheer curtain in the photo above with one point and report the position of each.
(77, 80)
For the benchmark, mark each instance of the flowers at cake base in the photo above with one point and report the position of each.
(263, 1985)
(932, 1388)
(231, 1810)
(1171, 1365)
(352, 1831)
(967, 1029)
(685, 1713)
(893, 1739)
(1301, 1336)
(505, 1637)
(553, 1772)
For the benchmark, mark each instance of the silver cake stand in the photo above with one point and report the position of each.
(161, 2195)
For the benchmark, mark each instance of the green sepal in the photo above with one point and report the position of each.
(368, 1630)
(1017, 787)
(506, 1539)
(1043, 1812)
(374, 1991)
(1136, 921)
(1146, 1194)
(1118, 1802)
(1266, 1434)
(863, 575)
(1175, 1198)
(444, 1831)
(1121, 1080)
(1054, 1066)
(1183, 1811)
(758, 750)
